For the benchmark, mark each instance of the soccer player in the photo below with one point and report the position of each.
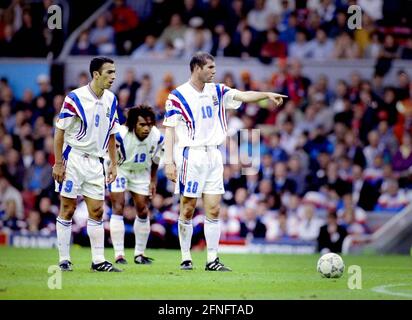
(195, 115)
(84, 133)
(139, 144)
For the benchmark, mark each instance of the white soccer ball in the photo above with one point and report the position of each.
(331, 265)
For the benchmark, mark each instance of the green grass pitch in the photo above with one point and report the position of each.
(24, 275)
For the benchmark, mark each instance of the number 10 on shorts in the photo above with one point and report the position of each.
(192, 187)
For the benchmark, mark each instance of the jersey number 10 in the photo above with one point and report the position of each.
(207, 112)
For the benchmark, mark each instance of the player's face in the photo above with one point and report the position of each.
(207, 73)
(107, 76)
(143, 127)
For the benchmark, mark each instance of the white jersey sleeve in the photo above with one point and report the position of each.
(173, 112)
(68, 114)
(228, 97)
(159, 151)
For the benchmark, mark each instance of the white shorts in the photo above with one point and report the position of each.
(136, 181)
(84, 176)
(200, 170)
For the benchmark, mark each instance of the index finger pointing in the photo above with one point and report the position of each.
(281, 95)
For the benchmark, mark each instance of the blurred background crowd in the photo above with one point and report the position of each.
(331, 154)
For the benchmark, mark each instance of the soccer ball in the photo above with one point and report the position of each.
(331, 265)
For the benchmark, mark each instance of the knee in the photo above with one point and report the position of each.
(213, 211)
(118, 208)
(142, 212)
(96, 213)
(67, 210)
(187, 211)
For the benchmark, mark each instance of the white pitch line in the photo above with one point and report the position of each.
(384, 290)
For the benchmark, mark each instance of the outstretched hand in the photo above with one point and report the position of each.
(276, 98)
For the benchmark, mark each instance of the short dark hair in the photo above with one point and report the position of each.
(200, 59)
(97, 63)
(134, 113)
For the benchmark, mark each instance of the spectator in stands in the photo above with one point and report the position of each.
(163, 92)
(346, 47)
(15, 168)
(281, 183)
(406, 50)
(83, 45)
(38, 178)
(10, 193)
(321, 47)
(389, 51)
(222, 45)
(29, 40)
(402, 160)
(132, 85)
(175, 31)
(392, 198)
(273, 47)
(9, 220)
(124, 21)
(299, 49)
(145, 94)
(7, 45)
(229, 226)
(250, 224)
(48, 213)
(331, 235)
(309, 225)
(197, 37)
(258, 17)
(148, 49)
(374, 47)
(102, 36)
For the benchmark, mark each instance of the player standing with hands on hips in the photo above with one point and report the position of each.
(84, 133)
(195, 116)
(140, 146)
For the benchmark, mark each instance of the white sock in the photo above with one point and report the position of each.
(117, 234)
(141, 229)
(64, 233)
(96, 234)
(185, 228)
(212, 235)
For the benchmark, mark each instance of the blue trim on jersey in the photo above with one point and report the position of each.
(121, 144)
(186, 105)
(79, 106)
(161, 139)
(219, 98)
(182, 172)
(112, 113)
(65, 115)
(186, 153)
(171, 113)
(66, 152)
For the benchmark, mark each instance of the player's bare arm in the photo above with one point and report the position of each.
(112, 170)
(255, 96)
(170, 167)
(153, 180)
(59, 169)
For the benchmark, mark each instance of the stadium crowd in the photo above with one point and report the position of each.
(345, 149)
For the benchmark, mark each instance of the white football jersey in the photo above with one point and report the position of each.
(88, 121)
(135, 154)
(199, 118)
